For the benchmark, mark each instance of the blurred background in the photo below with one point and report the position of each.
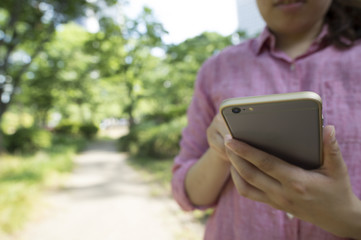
(79, 72)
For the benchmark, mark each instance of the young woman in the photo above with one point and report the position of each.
(306, 46)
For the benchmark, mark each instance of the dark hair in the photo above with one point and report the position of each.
(344, 22)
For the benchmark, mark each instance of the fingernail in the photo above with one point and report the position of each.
(227, 139)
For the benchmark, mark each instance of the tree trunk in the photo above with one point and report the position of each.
(2, 146)
(130, 116)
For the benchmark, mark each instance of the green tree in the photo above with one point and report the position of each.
(25, 27)
(167, 94)
(172, 90)
(125, 55)
(59, 77)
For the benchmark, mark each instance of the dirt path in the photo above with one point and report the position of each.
(105, 199)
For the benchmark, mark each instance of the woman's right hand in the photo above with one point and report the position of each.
(216, 134)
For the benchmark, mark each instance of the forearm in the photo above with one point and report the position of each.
(206, 178)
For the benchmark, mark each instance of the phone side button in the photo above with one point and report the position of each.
(322, 121)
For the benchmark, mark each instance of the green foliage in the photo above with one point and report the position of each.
(126, 143)
(67, 128)
(152, 140)
(13, 120)
(88, 130)
(15, 204)
(26, 26)
(28, 140)
(73, 143)
(31, 140)
(168, 115)
(62, 79)
(124, 57)
(122, 71)
(199, 48)
(169, 88)
(168, 92)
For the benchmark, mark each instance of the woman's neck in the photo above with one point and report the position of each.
(295, 45)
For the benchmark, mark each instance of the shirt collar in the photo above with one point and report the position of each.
(267, 40)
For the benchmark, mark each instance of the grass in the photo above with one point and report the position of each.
(22, 179)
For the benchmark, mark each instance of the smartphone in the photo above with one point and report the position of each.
(288, 125)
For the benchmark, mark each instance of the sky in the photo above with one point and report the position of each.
(188, 18)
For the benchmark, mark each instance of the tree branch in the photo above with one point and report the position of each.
(25, 67)
(14, 16)
(10, 48)
(17, 78)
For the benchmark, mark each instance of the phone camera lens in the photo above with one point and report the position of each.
(236, 110)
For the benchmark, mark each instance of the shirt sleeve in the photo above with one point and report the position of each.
(194, 139)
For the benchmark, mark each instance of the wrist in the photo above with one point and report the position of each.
(206, 178)
(350, 221)
(220, 157)
(355, 219)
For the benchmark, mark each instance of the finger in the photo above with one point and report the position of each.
(333, 160)
(245, 189)
(267, 163)
(217, 143)
(253, 175)
(223, 129)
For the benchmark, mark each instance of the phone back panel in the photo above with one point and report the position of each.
(290, 130)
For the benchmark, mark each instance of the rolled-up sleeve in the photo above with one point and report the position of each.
(194, 139)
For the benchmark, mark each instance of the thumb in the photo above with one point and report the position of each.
(332, 157)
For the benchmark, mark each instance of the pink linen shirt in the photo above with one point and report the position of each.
(255, 67)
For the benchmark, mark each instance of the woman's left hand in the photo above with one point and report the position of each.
(323, 197)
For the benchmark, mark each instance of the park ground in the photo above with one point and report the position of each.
(104, 198)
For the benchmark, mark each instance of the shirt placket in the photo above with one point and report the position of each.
(294, 81)
(291, 70)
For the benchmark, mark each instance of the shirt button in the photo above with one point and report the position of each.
(289, 215)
